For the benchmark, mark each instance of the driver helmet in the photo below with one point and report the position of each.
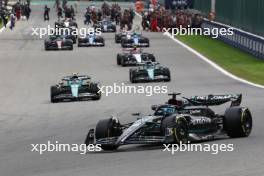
(74, 75)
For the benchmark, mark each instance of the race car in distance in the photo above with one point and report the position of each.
(120, 35)
(91, 40)
(105, 26)
(131, 40)
(58, 42)
(67, 23)
(75, 87)
(132, 57)
(68, 27)
(182, 121)
(149, 72)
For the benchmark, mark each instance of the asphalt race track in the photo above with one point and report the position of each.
(27, 116)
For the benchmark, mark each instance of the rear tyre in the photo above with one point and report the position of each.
(238, 122)
(107, 128)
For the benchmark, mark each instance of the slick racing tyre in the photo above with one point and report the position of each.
(178, 126)
(238, 122)
(132, 76)
(122, 62)
(167, 73)
(107, 128)
(46, 48)
(118, 59)
(53, 92)
(95, 89)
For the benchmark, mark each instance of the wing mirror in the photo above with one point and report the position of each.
(154, 107)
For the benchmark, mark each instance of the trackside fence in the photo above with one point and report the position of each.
(243, 40)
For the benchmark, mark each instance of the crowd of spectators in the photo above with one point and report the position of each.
(19, 11)
(155, 19)
(113, 12)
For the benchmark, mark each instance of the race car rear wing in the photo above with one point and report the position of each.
(213, 100)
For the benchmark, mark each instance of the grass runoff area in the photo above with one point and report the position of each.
(230, 58)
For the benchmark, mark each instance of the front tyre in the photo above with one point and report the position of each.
(53, 92)
(132, 76)
(167, 73)
(105, 129)
(118, 59)
(238, 122)
(178, 127)
(95, 89)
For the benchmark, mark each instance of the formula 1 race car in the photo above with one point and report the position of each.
(132, 57)
(58, 42)
(105, 26)
(190, 121)
(134, 39)
(68, 28)
(149, 72)
(67, 23)
(120, 35)
(75, 87)
(91, 40)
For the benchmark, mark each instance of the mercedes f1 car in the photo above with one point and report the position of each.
(131, 40)
(75, 87)
(149, 72)
(58, 42)
(67, 27)
(178, 121)
(91, 40)
(105, 26)
(119, 36)
(135, 56)
(68, 23)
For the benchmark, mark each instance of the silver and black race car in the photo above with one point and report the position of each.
(132, 40)
(120, 35)
(67, 23)
(177, 121)
(75, 87)
(58, 42)
(149, 72)
(91, 40)
(67, 27)
(133, 57)
(105, 26)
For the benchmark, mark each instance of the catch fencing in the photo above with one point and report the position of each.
(243, 40)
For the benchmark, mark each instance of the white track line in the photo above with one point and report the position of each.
(211, 62)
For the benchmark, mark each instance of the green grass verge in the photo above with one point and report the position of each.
(230, 58)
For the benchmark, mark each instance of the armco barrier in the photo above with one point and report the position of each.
(243, 40)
